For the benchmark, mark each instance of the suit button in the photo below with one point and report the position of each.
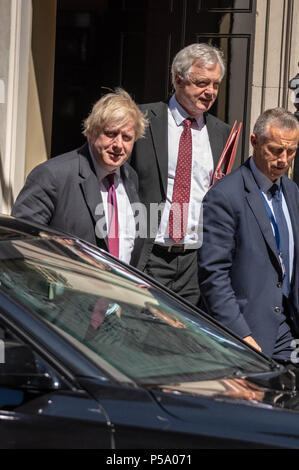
(277, 309)
(279, 285)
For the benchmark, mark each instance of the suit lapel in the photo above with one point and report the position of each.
(257, 205)
(129, 184)
(131, 190)
(215, 138)
(90, 187)
(293, 211)
(158, 117)
(292, 206)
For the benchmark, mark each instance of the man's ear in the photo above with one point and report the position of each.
(253, 140)
(178, 80)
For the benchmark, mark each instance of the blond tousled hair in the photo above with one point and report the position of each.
(117, 109)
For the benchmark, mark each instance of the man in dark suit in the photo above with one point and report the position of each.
(74, 192)
(175, 164)
(249, 259)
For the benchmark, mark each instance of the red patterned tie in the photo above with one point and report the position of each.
(113, 232)
(178, 217)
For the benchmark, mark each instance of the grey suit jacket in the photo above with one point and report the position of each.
(239, 270)
(63, 193)
(150, 155)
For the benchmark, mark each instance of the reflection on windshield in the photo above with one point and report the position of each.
(139, 330)
(240, 389)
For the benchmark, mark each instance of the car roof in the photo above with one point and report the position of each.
(14, 229)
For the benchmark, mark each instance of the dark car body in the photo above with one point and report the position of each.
(156, 373)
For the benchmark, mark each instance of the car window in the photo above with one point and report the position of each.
(141, 331)
(23, 373)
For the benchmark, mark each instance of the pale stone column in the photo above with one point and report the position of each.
(5, 16)
(294, 53)
(275, 55)
(41, 84)
(15, 42)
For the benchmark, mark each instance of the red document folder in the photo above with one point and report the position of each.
(228, 156)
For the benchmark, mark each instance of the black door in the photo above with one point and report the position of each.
(102, 44)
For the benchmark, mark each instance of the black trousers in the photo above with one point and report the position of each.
(285, 348)
(177, 271)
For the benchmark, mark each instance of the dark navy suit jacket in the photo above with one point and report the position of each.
(239, 270)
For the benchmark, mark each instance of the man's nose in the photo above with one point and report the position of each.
(210, 90)
(283, 156)
(117, 142)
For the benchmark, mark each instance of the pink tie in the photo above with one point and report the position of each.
(113, 232)
(178, 217)
(99, 312)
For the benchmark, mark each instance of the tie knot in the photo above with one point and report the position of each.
(274, 190)
(109, 179)
(188, 122)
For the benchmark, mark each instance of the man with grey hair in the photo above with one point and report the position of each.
(249, 259)
(175, 165)
(89, 192)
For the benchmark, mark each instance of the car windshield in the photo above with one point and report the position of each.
(137, 328)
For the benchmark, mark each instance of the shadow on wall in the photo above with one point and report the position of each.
(6, 190)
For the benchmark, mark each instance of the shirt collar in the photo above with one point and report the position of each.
(101, 173)
(262, 180)
(179, 114)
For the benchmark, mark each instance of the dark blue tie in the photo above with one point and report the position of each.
(283, 236)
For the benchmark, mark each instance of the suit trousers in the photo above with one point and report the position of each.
(285, 336)
(176, 271)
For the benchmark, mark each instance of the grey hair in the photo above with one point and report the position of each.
(186, 57)
(276, 117)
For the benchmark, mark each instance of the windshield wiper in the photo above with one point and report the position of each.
(282, 378)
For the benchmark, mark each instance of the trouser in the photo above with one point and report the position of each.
(177, 271)
(284, 345)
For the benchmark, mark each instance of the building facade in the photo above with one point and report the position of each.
(59, 56)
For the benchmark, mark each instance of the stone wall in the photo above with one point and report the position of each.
(276, 54)
(5, 12)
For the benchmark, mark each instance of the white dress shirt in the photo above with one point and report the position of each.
(265, 184)
(126, 220)
(201, 176)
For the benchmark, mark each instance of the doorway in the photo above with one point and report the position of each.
(102, 44)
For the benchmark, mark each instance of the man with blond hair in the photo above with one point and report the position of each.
(89, 192)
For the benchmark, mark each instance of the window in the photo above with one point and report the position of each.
(140, 331)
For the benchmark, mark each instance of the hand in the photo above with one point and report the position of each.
(252, 342)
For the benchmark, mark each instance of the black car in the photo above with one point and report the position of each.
(95, 355)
